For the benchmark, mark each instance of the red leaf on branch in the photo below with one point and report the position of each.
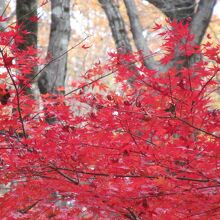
(8, 60)
(85, 47)
(34, 18)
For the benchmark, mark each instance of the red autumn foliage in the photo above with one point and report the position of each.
(147, 151)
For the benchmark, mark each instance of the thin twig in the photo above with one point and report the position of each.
(5, 8)
(199, 129)
(54, 59)
(134, 176)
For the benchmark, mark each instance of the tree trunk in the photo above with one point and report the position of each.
(117, 25)
(201, 19)
(53, 77)
(25, 9)
(137, 33)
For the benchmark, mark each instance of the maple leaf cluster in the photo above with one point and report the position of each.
(147, 150)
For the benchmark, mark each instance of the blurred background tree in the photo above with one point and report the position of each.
(54, 75)
(124, 24)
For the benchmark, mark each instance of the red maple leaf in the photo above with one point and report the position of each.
(8, 60)
(85, 47)
(34, 18)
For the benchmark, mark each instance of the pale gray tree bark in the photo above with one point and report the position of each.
(117, 25)
(53, 76)
(2, 7)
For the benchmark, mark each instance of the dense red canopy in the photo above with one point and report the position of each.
(149, 150)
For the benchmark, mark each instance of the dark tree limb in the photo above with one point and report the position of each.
(178, 9)
(137, 32)
(25, 9)
(117, 25)
(201, 19)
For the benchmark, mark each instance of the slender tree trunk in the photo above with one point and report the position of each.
(25, 9)
(53, 77)
(119, 33)
(117, 25)
(137, 32)
(202, 18)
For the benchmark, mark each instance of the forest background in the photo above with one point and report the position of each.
(88, 21)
